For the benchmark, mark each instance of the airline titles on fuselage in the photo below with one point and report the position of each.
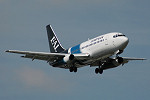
(94, 41)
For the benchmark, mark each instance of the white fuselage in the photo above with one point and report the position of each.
(95, 52)
(102, 46)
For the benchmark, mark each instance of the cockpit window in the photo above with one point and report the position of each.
(117, 35)
(121, 35)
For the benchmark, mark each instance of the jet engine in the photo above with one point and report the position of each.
(113, 63)
(119, 60)
(68, 58)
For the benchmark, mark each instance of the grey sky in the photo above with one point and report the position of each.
(22, 27)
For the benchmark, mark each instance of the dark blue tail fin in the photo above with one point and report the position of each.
(54, 44)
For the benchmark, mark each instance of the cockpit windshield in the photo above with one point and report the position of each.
(121, 35)
(118, 35)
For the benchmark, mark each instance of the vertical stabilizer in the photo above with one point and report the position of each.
(54, 44)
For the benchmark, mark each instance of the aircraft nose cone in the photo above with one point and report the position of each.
(125, 41)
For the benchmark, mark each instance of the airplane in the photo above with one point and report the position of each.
(102, 51)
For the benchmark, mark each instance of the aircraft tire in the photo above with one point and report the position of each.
(96, 70)
(75, 69)
(71, 69)
(101, 71)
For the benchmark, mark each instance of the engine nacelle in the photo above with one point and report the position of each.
(118, 61)
(68, 58)
(113, 63)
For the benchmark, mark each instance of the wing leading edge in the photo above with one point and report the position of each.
(49, 57)
(127, 59)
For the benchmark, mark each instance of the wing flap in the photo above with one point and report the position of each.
(45, 58)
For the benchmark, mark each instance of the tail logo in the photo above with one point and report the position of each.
(55, 43)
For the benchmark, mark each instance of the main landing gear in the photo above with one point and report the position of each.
(98, 70)
(73, 69)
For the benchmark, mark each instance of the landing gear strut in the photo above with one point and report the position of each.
(71, 69)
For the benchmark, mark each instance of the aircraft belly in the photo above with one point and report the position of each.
(68, 65)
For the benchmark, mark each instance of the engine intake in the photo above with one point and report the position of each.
(68, 58)
(120, 60)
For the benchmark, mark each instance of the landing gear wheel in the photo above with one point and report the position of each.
(100, 71)
(71, 69)
(75, 69)
(97, 70)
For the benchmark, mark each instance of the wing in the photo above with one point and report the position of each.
(111, 59)
(127, 59)
(46, 56)
(50, 57)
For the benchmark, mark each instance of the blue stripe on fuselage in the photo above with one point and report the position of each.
(75, 49)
